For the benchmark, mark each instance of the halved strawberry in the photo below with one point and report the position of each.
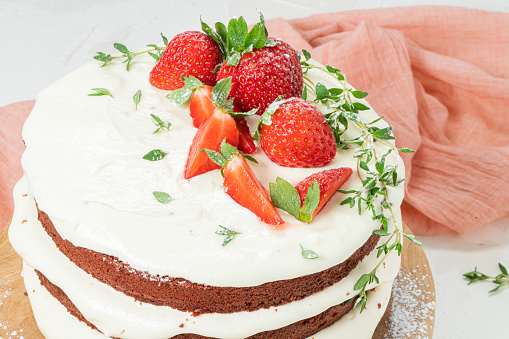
(211, 133)
(188, 53)
(310, 195)
(201, 107)
(241, 184)
(329, 181)
(246, 142)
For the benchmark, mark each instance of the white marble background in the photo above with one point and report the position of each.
(42, 40)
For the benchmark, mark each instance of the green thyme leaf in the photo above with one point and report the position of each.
(165, 40)
(105, 58)
(360, 107)
(310, 202)
(308, 254)
(359, 94)
(155, 155)
(162, 197)
(285, 197)
(321, 91)
(228, 233)
(100, 92)
(406, 150)
(413, 239)
(501, 280)
(502, 268)
(137, 98)
(121, 48)
(305, 93)
(159, 123)
(362, 282)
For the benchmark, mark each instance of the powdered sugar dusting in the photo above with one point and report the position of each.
(7, 330)
(413, 307)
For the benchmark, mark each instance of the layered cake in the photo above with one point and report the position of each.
(119, 240)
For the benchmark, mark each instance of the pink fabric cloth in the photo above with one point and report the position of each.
(440, 75)
(11, 148)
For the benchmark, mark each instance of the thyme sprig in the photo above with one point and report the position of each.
(154, 51)
(502, 280)
(375, 173)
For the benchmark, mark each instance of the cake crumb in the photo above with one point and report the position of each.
(181, 325)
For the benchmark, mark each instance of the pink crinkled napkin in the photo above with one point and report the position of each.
(11, 148)
(440, 76)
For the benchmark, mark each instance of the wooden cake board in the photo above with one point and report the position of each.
(410, 314)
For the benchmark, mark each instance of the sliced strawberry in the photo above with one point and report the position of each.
(201, 106)
(330, 181)
(246, 142)
(210, 134)
(241, 184)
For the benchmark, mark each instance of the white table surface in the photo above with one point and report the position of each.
(43, 40)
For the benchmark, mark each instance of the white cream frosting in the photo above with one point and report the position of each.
(83, 165)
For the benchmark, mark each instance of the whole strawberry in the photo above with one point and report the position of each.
(263, 75)
(191, 54)
(261, 68)
(294, 133)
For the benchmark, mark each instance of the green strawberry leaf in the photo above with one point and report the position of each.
(266, 118)
(270, 43)
(310, 202)
(256, 37)
(285, 196)
(244, 114)
(180, 96)
(220, 93)
(227, 150)
(234, 59)
(218, 37)
(250, 158)
(222, 31)
(216, 157)
(236, 38)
